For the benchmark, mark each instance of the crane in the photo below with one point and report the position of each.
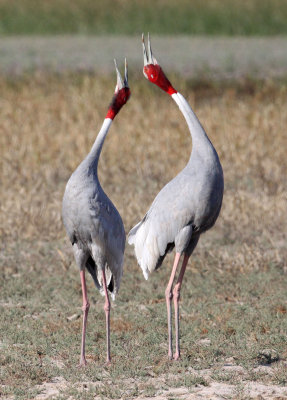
(185, 207)
(93, 224)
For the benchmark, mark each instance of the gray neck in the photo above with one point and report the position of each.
(200, 141)
(92, 158)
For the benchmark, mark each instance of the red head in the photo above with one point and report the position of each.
(153, 72)
(122, 93)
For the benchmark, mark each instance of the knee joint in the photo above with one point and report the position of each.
(176, 292)
(86, 307)
(107, 307)
(168, 294)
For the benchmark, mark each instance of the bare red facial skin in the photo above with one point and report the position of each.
(118, 101)
(156, 75)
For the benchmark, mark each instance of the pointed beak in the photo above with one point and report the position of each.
(126, 74)
(147, 53)
(144, 52)
(120, 82)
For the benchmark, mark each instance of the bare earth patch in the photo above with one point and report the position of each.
(213, 390)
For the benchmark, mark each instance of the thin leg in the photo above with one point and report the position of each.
(176, 296)
(107, 308)
(168, 298)
(85, 308)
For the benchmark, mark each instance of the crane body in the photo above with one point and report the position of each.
(186, 207)
(93, 224)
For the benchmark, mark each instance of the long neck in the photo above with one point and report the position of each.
(92, 158)
(200, 141)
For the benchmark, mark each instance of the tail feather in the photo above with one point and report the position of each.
(132, 233)
(146, 247)
(92, 268)
(97, 277)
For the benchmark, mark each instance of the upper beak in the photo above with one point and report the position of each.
(126, 73)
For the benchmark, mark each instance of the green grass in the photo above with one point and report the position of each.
(39, 342)
(209, 17)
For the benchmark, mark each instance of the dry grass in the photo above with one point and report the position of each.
(235, 285)
(48, 126)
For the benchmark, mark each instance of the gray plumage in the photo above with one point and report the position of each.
(92, 222)
(186, 207)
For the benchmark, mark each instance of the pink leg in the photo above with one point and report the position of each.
(168, 298)
(107, 308)
(176, 296)
(85, 309)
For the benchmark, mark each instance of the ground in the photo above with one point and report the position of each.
(234, 301)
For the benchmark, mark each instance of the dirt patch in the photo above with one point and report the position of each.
(212, 391)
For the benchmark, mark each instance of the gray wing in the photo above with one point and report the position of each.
(107, 237)
(185, 207)
(93, 222)
(169, 221)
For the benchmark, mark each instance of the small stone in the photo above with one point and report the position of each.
(73, 317)
(229, 362)
(267, 356)
(205, 342)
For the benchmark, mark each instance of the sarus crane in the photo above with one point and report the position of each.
(185, 207)
(93, 224)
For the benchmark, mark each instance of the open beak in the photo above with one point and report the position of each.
(147, 53)
(120, 82)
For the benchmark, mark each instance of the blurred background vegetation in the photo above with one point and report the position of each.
(208, 17)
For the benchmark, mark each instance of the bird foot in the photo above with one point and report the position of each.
(83, 363)
(176, 357)
(108, 363)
